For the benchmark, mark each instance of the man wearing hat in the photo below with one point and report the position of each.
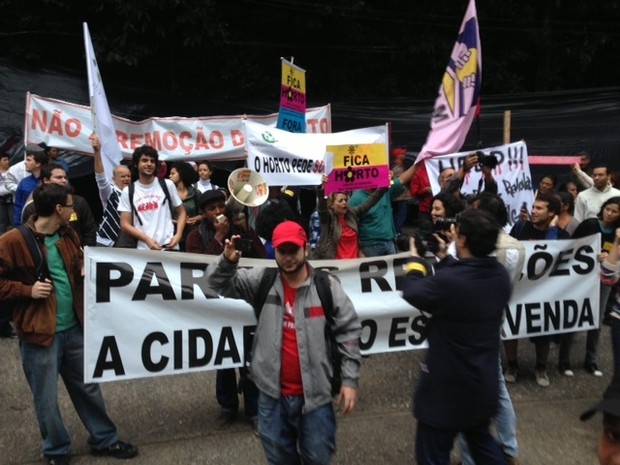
(208, 238)
(290, 362)
(609, 443)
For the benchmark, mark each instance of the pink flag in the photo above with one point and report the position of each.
(459, 93)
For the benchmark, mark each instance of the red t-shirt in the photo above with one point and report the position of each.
(290, 375)
(347, 246)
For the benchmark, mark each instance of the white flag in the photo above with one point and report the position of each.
(102, 118)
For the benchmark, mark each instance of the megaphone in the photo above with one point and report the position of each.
(248, 187)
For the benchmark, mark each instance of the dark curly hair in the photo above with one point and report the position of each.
(187, 173)
(451, 203)
(272, 215)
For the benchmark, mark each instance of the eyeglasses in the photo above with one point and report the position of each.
(68, 205)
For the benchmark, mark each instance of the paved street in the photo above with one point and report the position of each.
(172, 419)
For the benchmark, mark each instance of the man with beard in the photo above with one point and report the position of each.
(290, 362)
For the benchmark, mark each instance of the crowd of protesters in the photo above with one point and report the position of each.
(178, 207)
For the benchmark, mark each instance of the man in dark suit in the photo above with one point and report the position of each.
(458, 386)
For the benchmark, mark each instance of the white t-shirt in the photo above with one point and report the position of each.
(204, 186)
(148, 200)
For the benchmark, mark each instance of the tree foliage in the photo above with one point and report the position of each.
(230, 49)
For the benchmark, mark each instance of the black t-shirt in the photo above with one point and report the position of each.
(525, 231)
(594, 226)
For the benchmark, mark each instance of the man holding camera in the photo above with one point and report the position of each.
(541, 226)
(458, 386)
(208, 238)
(487, 183)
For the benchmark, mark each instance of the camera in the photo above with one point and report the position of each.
(490, 161)
(243, 245)
(402, 243)
(443, 224)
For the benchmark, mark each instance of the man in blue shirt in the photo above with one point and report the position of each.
(35, 159)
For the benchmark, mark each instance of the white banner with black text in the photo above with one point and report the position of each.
(151, 313)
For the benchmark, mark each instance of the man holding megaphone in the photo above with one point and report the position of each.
(216, 226)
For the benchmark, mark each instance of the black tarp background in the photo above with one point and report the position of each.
(551, 123)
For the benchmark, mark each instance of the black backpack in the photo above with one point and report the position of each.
(321, 281)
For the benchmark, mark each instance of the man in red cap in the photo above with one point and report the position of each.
(290, 362)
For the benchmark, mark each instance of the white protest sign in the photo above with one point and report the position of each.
(68, 126)
(513, 177)
(291, 159)
(150, 313)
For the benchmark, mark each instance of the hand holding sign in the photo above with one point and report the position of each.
(361, 166)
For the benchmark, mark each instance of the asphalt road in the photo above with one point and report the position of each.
(172, 419)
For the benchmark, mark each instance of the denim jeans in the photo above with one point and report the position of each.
(400, 211)
(42, 365)
(290, 437)
(593, 336)
(379, 249)
(505, 422)
(226, 391)
(433, 445)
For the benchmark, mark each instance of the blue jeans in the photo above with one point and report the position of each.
(283, 427)
(505, 422)
(379, 249)
(42, 365)
(400, 210)
(226, 391)
(433, 445)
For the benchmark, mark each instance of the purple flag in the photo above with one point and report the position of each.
(459, 93)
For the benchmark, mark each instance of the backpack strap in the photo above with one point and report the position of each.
(323, 288)
(41, 269)
(164, 187)
(321, 280)
(266, 282)
(132, 189)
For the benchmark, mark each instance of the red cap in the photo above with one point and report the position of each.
(289, 232)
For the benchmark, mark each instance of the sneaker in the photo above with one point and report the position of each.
(226, 418)
(542, 379)
(566, 371)
(510, 375)
(118, 450)
(57, 459)
(592, 368)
